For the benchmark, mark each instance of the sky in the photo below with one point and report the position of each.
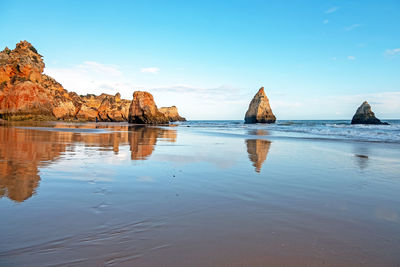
(316, 59)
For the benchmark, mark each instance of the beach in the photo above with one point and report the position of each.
(195, 194)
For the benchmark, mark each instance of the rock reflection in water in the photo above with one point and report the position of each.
(142, 140)
(258, 151)
(23, 151)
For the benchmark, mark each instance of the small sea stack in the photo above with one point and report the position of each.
(259, 109)
(172, 113)
(143, 110)
(365, 115)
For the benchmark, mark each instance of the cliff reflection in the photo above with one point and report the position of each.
(143, 139)
(23, 151)
(258, 151)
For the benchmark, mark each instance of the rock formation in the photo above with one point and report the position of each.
(259, 109)
(104, 107)
(172, 113)
(364, 115)
(27, 93)
(143, 110)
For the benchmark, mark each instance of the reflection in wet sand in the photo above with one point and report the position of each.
(143, 139)
(258, 151)
(24, 150)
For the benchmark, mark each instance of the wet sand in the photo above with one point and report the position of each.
(118, 195)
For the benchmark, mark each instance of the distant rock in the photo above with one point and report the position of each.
(364, 115)
(259, 109)
(172, 113)
(143, 110)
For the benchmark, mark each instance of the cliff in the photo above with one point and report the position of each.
(27, 93)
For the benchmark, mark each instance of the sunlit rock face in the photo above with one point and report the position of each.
(259, 110)
(172, 113)
(258, 151)
(104, 107)
(27, 93)
(143, 110)
(364, 115)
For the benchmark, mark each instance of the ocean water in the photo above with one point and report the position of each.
(326, 129)
(199, 193)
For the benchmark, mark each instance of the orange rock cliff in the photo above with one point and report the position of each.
(27, 93)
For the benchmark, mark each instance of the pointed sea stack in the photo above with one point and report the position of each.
(143, 110)
(172, 113)
(364, 115)
(259, 109)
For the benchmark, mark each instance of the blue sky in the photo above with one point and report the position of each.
(316, 59)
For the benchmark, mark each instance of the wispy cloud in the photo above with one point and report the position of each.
(94, 66)
(352, 27)
(333, 58)
(392, 52)
(351, 57)
(332, 9)
(326, 21)
(154, 70)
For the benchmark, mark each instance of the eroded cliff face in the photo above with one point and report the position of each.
(103, 107)
(143, 110)
(259, 109)
(27, 93)
(172, 113)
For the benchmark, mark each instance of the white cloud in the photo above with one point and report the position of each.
(326, 21)
(392, 52)
(332, 9)
(352, 27)
(333, 58)
(351, 57)
(154, 70)
(92, 77)
(100, 68)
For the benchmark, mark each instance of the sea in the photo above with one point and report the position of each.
(317, 129)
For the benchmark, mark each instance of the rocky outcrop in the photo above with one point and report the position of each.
(26, 91)
(364, 115)
(143, 110)
(172, 113)
(104, 107)
(259, 109)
